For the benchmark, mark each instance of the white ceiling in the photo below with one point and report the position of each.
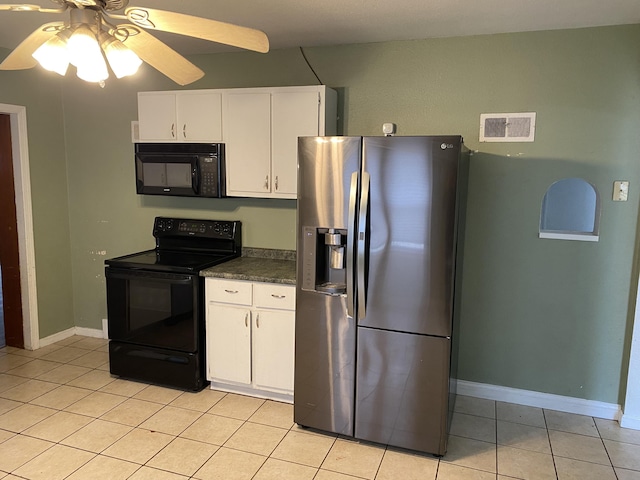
(307, 23)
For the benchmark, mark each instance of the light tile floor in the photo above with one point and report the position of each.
(63, 416)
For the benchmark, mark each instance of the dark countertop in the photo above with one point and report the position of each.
(258, 265)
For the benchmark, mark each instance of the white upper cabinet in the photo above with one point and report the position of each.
(259, 127)
(293, 115)
(247, 135)
(190, 116)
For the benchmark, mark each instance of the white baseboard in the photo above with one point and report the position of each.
(628, 421)
(90, 332)
(592, 408)
(70, 332)
(56, 337)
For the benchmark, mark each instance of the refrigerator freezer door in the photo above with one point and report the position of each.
(411, 233)
(324, 388)
(325, 364)
(402, 390)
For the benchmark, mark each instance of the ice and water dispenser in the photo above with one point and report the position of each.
(324, 257)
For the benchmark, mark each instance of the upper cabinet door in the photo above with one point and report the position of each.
(190, 116)
(247, 135)
(199, 117)
(157, 116)
(293, 115)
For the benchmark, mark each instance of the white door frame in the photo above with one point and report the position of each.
(631, 415)
(26, 250)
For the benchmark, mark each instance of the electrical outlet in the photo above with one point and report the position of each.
(620, 191)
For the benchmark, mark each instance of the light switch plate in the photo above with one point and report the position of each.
(620, 190)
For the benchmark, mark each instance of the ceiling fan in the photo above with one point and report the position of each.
(93, 29)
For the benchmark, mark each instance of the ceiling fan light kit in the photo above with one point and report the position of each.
(122, 60)
(52, 55)
(91, 35)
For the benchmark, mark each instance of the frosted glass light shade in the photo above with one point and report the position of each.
(82, 45)
(84, 52)
(93, 69)
(122, 60)
(52, 55)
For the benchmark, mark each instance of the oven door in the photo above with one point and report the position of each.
(153, 309)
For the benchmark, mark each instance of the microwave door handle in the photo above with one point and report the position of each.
(195, 177)
(351, 240)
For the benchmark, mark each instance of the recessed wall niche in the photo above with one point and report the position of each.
(571, 211)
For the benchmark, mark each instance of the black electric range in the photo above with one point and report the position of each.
(155, 301)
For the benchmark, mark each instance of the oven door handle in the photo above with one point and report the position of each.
(126, 274)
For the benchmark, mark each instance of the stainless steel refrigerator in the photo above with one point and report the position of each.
(378, 229)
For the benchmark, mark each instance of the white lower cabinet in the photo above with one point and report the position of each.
(250, 337)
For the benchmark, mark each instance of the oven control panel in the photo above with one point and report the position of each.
(181, 227)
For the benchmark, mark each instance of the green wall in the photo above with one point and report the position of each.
(543, 315)
(42, 97)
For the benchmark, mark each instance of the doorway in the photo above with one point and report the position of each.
(18, 275)
(9, 256)
(3, 341)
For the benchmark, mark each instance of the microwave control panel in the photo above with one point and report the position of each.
(209, 176)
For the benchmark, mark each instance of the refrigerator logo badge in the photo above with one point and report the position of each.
(444, 146)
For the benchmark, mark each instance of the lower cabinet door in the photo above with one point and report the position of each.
(229, 344)
(273, 345)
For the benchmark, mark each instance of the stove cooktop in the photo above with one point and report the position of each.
(186, 246)
(169, 261)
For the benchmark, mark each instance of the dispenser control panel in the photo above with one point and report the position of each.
(323, 257)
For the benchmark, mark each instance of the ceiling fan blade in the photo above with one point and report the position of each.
(157, 54)
(204, 28)
(25, 7)
(20, 58)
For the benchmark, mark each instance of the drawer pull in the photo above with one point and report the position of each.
(231, 291)
(278, 296)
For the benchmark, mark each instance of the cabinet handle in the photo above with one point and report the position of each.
(276, 182)
(246, 319)
(266, 182)
(258, 320)
(173, 130)
(278, 296)
(184, 130)
(231, 291)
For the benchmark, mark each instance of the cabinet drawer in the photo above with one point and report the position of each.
(269, 295)
(228, 291)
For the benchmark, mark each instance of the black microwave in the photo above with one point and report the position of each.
(180, 169)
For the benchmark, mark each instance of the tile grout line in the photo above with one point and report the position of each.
(604, 445)
(553, 456)
(495, 414)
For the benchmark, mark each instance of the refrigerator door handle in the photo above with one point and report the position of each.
(362, 237)
(353, 193)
